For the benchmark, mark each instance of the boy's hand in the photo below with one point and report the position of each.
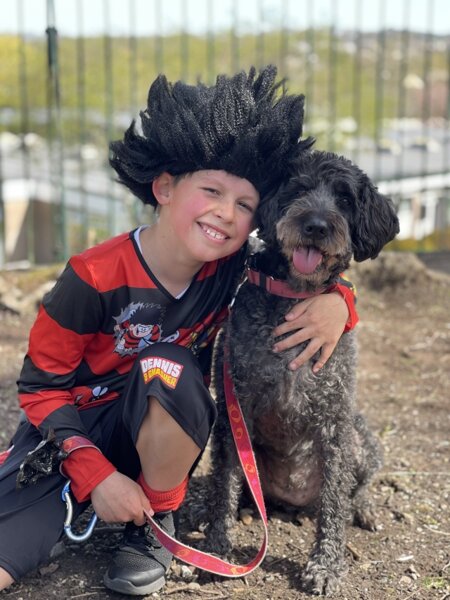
(119, 499)
(321, 320)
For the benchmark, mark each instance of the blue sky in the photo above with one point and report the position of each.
(200, 15)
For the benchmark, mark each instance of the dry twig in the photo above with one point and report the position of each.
(438, 531)
(410, 595)
(412, 473)
(186, 588)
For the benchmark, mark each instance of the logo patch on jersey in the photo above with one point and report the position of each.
(168, 371)
(138, 326)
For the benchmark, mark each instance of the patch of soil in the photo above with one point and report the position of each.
(404, 382)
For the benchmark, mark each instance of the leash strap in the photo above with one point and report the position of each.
(192, 556)
(205, 561)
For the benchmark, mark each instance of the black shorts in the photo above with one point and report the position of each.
(31, 519)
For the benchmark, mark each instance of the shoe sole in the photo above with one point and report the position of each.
(125, 587)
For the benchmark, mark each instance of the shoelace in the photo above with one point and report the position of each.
(142, 537)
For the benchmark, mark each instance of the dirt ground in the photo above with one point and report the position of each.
(404, 388)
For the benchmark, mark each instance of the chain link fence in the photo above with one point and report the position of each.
(376, 76)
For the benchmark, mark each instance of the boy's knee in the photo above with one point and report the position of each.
(172, 375)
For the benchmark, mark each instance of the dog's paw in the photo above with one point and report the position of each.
(199, 516)
(365, 518)
(217, 542)
(321, 580)
(195, 515)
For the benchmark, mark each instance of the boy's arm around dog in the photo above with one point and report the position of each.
(322, 320)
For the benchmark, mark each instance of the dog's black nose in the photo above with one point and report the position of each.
(315, 227)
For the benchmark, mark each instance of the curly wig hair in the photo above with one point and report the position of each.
(246, 125)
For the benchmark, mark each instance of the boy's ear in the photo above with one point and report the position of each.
(162, 187)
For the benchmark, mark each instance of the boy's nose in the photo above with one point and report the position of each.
(225, 210)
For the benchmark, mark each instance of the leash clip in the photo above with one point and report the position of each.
(75, 537)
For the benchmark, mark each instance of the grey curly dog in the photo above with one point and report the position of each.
(313, 447)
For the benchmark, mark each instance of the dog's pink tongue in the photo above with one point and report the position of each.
(306, 259)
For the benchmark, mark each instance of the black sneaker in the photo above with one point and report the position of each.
(141, 563)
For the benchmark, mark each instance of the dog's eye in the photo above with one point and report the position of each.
(344, 202)
(343, 193)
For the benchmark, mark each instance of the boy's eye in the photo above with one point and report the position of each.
(211, 190)
(247, 206)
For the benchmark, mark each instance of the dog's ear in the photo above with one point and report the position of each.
(267, 215)
(276, 202)
(375, 224)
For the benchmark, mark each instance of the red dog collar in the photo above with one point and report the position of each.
(278, 287)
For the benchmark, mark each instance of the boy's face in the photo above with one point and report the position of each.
(208, 214)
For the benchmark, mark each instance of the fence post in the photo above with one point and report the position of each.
(57, 162)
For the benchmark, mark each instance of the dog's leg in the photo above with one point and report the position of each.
(370, 462)
(326, 564)
(225, 486)
(226, 478)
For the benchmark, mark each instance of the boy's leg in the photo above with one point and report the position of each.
(32, 518)
(166, 451)
(5, 579)
(169, 413)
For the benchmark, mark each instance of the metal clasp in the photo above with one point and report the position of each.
(81, 537)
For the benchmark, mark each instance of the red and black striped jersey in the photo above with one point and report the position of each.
(106, 307)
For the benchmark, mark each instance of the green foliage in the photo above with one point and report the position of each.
(438, 240)
(104, 81)
(436, 583)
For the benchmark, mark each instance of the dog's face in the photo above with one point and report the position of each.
(328, 211)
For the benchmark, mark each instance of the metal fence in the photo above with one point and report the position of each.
(376, 76)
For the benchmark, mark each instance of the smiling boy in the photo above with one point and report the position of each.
(114, 377)
(204, 216)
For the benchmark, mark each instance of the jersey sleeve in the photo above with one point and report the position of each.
(68, 319)
(348, 291)
(86, 468)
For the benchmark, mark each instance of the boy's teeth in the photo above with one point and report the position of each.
(214, 234)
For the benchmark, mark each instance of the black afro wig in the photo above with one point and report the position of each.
(246, 125)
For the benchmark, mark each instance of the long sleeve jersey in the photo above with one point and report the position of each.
(104, 309)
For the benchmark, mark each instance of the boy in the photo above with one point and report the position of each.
(113, 382)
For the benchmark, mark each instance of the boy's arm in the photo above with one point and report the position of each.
(348, 292)
(67, 320)
(320, 320)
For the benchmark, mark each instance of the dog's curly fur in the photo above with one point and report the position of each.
(312, 446)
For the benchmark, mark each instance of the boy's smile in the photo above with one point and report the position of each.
(213, 233)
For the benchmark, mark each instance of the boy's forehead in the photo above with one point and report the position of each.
(228, 179)
(212, 174)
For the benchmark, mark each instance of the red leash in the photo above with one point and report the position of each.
(205, 561)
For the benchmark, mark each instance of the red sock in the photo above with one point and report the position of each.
(167, 500)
